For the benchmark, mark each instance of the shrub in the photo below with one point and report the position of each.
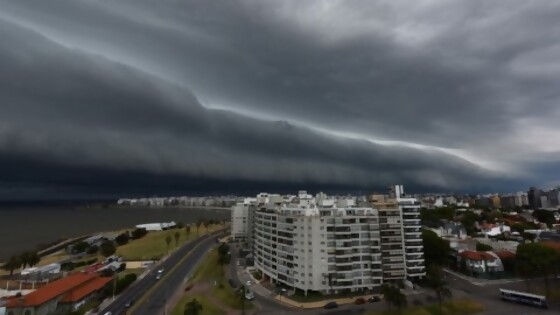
(138, 233)
(122, 239)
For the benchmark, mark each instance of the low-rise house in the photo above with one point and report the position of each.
(494, 229)
(482, 262)
(64, 295)
(451, 230)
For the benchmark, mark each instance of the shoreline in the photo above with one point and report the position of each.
(48, 227)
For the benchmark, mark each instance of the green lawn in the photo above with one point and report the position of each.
(313, 296)
(153, 245)
(456, 307)
(137, 271)
(209, 271)
(208, 308)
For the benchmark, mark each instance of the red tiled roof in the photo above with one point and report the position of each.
(51, 290)
(505, 254)
(85, 290)
(554, 245)
(476, 255)
(488, 226)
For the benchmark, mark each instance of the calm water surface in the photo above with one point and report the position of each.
(23, 228)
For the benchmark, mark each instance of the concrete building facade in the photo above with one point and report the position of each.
(330, 246)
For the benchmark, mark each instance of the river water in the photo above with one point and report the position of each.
(24, 228)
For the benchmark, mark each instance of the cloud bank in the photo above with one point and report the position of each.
(435, 95)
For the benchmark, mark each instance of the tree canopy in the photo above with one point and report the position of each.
(436, 249)
(536, 260)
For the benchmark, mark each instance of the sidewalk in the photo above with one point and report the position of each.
(481, 282)
(259, 289)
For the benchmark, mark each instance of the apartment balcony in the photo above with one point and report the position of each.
(414, 246)
(415, 269)
(416, 260)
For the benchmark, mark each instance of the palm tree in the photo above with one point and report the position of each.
(177, 235)
(198, 224)
(436, 282)
(168, 241)
(241, 296)
(393, 296)
(24, 259)
(12, 263)
(193, 308)
(34, 259)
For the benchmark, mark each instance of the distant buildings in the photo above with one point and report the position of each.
(157, 226)
(184, 201)
(332, 244)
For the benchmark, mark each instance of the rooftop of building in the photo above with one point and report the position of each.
(76, 285)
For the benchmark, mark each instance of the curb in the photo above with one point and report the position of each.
(143, 298)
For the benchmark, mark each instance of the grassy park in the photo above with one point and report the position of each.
(210, 283)
(208, 308)
(154, 245)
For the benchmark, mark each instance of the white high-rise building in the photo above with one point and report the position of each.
(331, 245)
(240, 227)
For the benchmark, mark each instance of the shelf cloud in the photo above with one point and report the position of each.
(349, 94)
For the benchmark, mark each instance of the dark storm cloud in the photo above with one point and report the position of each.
(108, 87)
(65, 107)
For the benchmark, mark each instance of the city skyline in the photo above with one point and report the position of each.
(120, 98)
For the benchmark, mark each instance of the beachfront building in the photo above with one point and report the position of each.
(240, 220)
(331, 245)
(64, 295)
(157, 226)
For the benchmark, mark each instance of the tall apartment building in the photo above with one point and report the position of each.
(328, 246)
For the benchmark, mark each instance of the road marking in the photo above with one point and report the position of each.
(142, 299)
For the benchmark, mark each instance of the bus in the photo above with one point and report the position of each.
(524, 298)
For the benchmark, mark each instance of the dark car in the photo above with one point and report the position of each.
(330, 305)
(359, 301)
(129, 303)
(374, 299)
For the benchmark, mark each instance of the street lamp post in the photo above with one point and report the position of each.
(114, 286)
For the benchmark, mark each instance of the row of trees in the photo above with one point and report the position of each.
(21, 261)
(535, 260)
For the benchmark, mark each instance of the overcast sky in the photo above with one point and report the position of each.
(156, 96)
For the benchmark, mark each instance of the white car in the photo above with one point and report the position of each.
(249, 295)
(161, 270)
(249, 283)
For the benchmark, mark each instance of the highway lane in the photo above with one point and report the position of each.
(158, 299)
(168, 283)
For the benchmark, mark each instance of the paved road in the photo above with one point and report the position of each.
(264, 303)
(169, 283)
(489, 296)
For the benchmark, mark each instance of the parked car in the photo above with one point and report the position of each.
(129, 303)
(248, 283)
(374, 299)
(360, 301)
(249, 295)
(330, 305)
(158, 277)
(161, 270)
